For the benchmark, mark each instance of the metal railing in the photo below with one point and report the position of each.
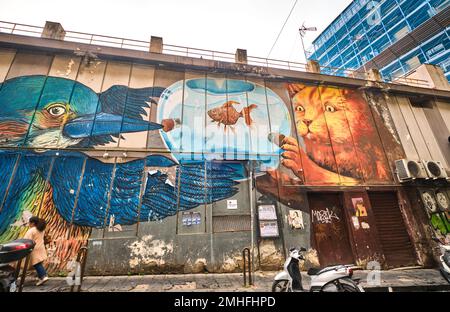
(133, 44)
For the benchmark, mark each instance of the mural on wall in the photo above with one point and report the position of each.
(320, 136)
(339, 142)
(42, 112)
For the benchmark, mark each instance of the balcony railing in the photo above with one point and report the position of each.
(139, 45)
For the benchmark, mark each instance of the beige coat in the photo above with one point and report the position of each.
(39, 253)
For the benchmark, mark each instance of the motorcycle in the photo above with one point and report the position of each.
(11, 252)
(329, 279)
(444, 259)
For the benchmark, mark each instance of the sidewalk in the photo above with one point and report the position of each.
(407, 280)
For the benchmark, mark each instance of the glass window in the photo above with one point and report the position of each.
(409, 6)
(443, 61)
(344, 43)
(439, 4)
(387, 6)
(367, 54)
(354, 63)
(333, 52)
(341, 33)
(418, 17)
(348, 54)
(380, 44)
(376, 32)
(436, 46)
(398, 32)
(392, 71)
(412, 60)
(393, 18)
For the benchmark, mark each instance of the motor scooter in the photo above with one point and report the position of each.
(329, 279)
(444, 259)
(11, 252)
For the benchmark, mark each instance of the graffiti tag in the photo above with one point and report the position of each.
(324, 216)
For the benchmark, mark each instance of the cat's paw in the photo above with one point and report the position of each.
(291, 156)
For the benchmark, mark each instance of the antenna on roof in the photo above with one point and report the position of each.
(303, 31)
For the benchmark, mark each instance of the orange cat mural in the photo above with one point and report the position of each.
(341, 142)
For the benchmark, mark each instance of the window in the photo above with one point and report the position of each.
(393, 18)
(380, 44)
(398, 32)
(418, 17)
(409, 6)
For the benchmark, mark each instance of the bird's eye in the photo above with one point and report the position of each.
(300, 108)
(330, 109)
(57, 110)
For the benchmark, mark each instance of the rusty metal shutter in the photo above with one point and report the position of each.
(231, 223)
(394, 238)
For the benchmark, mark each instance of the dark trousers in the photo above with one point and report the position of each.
(41, 273)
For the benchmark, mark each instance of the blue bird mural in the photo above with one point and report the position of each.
(46, 116)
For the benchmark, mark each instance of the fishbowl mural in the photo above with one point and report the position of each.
(320, 136)
(223, 119)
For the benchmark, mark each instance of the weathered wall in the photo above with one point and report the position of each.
(141, 161)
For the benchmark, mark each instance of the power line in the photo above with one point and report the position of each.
(282, 28)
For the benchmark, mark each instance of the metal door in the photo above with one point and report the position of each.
(394, 238)
(330, 236)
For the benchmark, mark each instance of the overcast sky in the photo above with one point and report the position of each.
(207, 24)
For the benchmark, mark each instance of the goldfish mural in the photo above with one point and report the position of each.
(322, 136)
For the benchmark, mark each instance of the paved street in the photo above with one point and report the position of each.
(406, 280)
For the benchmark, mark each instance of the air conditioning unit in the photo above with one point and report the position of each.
(435, 169)
(408, 169)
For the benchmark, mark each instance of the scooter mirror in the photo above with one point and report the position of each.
(302, 249)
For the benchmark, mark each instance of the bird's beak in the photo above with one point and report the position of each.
(105, 124)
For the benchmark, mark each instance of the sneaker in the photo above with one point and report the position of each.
(42, 281)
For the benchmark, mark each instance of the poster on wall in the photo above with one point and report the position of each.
(267, 212)
(296, 219)
(359, 207)
(268, 229)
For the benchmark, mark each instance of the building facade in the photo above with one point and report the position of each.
(394, 36)
(162, 163)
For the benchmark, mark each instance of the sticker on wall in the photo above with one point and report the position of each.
(232, 204)
(442, 200)
(365, 225)
(191, 218)
(296, 219)
(358, 205)
(355, 221)
(429, 201)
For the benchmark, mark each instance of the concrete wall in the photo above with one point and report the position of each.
(119, 155)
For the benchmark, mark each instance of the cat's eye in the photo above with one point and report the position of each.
(330, 109)
(57, 110)
(300, 108)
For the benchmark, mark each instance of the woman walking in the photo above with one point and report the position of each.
(39, 254)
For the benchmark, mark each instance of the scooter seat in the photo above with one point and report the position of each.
(313, 271)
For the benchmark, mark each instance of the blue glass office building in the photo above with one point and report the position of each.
(395, 36)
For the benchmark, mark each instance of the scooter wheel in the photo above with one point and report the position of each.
(280, 286)
(341, 285)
